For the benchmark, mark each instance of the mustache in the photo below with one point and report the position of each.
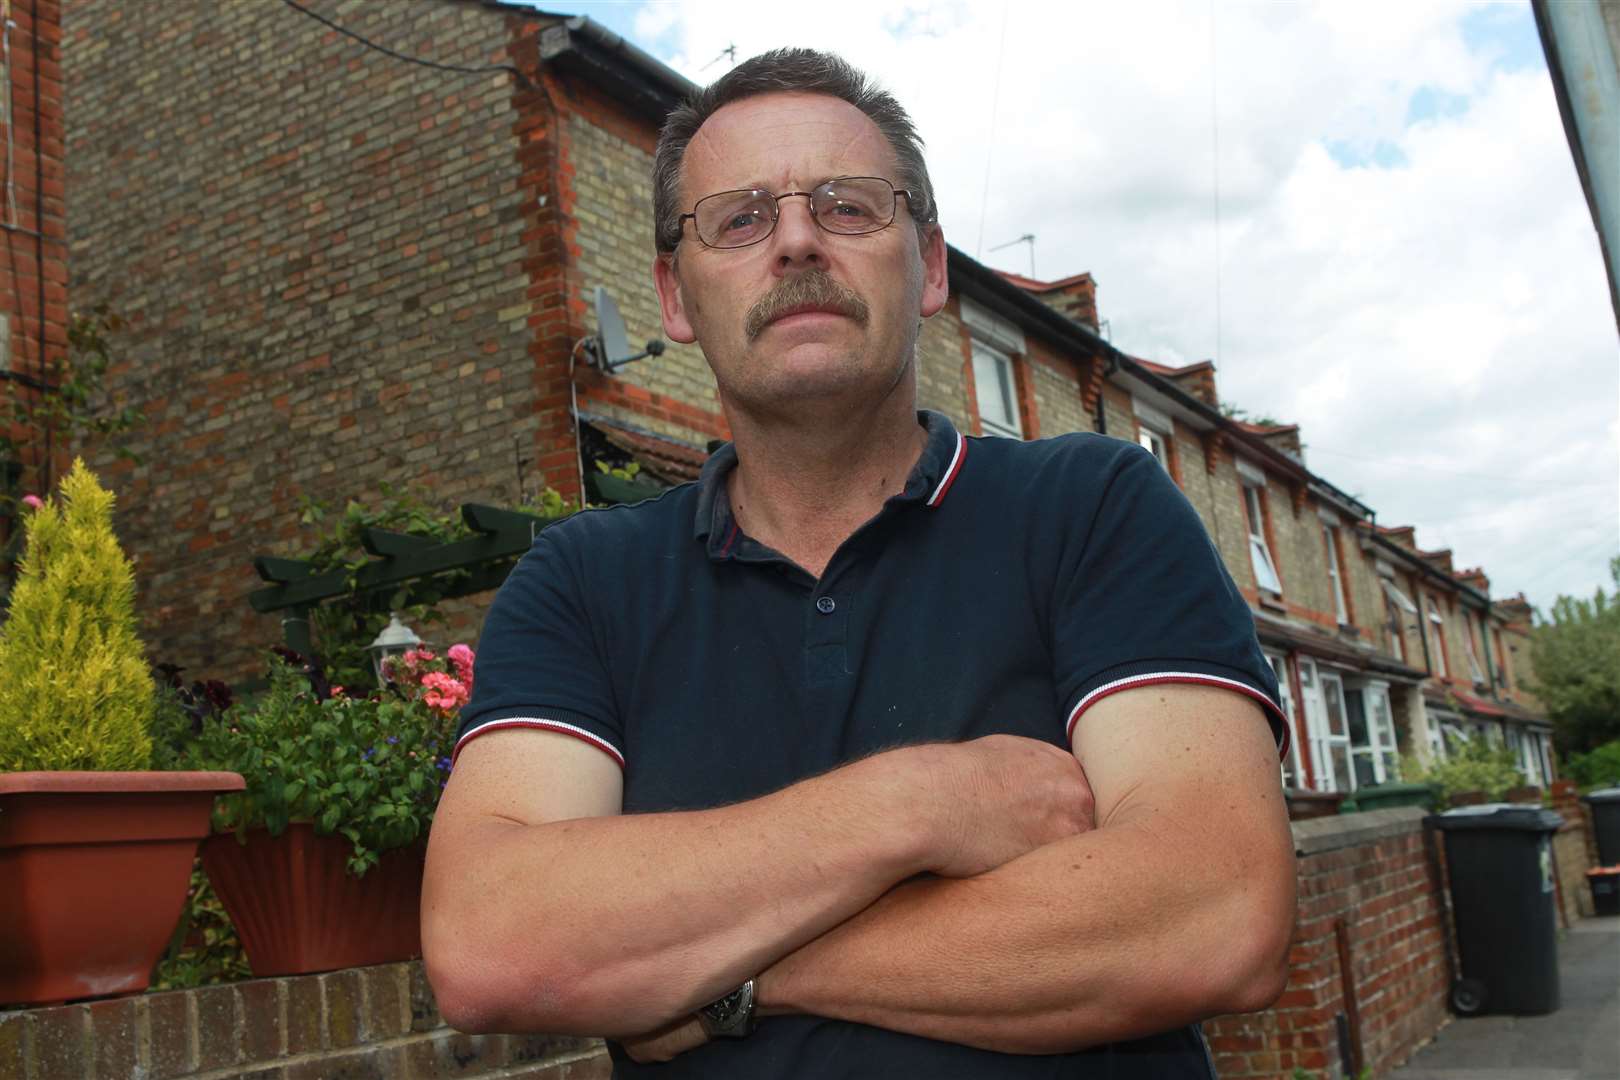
(813, 288)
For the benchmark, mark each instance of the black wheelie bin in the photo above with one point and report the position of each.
(1499, 861)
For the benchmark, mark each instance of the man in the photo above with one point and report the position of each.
(780, 774)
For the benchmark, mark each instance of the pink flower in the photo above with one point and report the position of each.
(337, 691)
(462, 657)
(444, 692)
(33, 502)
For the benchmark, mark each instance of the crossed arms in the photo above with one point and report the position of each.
(989, 893)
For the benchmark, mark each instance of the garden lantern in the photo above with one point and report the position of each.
(396, 639)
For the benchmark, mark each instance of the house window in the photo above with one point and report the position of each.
(997, 389)
(1330, 540)
(1437, 638)
(1327, 727)
(1292, 771)
(1397, 605)
(1474, 669)
(1155, 444)
(1265, 571)
(1501, 662)
(1374, 758)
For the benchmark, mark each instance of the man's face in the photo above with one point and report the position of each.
(775, 337)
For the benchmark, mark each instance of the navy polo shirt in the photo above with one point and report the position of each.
(1007, 588)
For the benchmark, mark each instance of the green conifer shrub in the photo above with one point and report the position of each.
(75, 689)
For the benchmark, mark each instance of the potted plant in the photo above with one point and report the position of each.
(318, 861)
(80, 805)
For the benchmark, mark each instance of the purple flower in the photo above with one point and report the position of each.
(393, 740)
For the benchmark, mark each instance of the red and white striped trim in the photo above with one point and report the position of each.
(950, 472)
(544, 725)
(1153, 678)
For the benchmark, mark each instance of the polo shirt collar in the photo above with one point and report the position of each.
(930, 480)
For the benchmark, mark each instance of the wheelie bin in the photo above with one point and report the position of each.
(1605, 807)
(1499, 860)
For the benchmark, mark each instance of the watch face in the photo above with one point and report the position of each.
(722, 1010)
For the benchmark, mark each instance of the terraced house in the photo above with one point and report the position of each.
(341, 269)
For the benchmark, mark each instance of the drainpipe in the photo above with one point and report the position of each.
(1113, 366)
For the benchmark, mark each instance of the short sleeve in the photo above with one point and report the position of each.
(538, 665)
(1143, 598)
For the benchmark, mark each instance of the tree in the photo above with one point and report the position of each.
(1577, 668)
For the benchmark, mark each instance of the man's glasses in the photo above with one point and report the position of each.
(849, 206)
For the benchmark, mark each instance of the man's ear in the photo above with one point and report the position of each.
(936, 274)
(677, 327)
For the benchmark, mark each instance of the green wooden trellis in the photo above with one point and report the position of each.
(296, 587)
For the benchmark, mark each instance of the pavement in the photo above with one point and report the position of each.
(1581, 1041)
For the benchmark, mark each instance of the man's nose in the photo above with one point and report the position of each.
(798, 240)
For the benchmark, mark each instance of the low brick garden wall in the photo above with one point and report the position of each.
(1368, 982)
(362, 1023)
(1368, 970)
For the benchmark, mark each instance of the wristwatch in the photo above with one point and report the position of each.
(731, 1016)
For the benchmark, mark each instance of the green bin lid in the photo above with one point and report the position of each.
(1403, 787)
(1511, 816)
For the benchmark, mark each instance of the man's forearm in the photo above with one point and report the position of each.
(1108, 935)
(676, 907)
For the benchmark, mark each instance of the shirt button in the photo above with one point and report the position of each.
(826, 605)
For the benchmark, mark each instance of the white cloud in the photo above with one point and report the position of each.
(1441, 329)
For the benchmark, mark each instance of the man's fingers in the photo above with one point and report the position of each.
(667, 1042)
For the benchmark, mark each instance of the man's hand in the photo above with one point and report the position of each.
(1002, 796)
(667, 1042)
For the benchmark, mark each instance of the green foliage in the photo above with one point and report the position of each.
(1472, 765)
(1598, 769)
(369, 769)
(75, 691)
(206, 949)
(1577, 668)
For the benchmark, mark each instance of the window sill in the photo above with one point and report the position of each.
(1273, 602)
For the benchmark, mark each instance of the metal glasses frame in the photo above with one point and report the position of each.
(776, 211)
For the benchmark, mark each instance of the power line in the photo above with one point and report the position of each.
(990, 141)
(523, 80)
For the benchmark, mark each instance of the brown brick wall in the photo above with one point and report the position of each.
(376, 1021)
(944, 367)
(1056, 381)
(1387, 895)
(610, 171)
(33, 244)
(321, 252)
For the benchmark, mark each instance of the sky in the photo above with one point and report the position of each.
(1364, 212)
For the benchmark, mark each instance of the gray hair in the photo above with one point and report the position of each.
(786, 71)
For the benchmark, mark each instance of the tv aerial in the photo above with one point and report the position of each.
(610, 348)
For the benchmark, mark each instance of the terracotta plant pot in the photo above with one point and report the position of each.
(94, 868)
(1304, 804)
(298, 910)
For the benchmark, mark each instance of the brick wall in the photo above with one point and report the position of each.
(1371, 874)
(944, 367)
(1574, 851)
(321, 253)
(363, 1022)
(33, 256)
(1056, 383)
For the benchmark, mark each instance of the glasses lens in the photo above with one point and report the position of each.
(734, 218)
(859, 204)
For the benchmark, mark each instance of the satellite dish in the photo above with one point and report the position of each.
(610, 349)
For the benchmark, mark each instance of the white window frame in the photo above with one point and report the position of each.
(1341, 603)
(995, 381)
(1322, 690)
(1381, 750)
(1154, 443)
(1265, 568)
(1285, 694)
(1434, 631)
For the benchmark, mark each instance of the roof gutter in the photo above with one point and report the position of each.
(1422, 565)
(582, 46)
